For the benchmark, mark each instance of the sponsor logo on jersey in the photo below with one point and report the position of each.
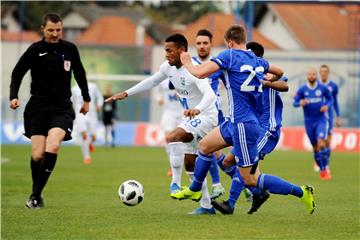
(182, 81)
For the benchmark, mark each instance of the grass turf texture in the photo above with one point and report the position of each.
(81, 201)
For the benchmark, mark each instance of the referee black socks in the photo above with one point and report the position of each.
(45, 171)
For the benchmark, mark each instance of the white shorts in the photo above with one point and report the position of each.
(170, 120)
(199, 126)
(84, 124)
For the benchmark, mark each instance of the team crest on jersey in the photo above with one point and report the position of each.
(330, 88)
(306, 93)
(182, 81)
(318, 93)
(67, 65)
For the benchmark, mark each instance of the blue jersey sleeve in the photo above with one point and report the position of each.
(335, 99)
(328, 98)
(264, 63)
(223, 59)
(298, 97)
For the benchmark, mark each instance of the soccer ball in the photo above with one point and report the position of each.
(131, 192)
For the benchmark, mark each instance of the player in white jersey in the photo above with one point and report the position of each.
(85, 125)
(199, 101)
(171, 117)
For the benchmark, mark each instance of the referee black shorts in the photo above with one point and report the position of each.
(40, 116)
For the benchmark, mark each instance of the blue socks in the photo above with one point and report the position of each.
(230, 170)
(277, 185)
(321, 159)
(237, 186)
(202, 166)
(327, 152)
(214, 171)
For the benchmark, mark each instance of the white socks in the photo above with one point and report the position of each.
(176, 156)
(85, 147)
(205, 201)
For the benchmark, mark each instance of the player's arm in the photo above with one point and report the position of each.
(279, 85)
(336, 107)
(208, 98)
(99, 99)
(299, 100)
(275, 71)
(80, 77)
(22, 66)
(142, 86)
(200, 71)
(328, 101)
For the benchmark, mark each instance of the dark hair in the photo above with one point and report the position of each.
(256, 47)
(205, 32)
(179, 40)
(325, 66)
(52, 17)
(236, 33)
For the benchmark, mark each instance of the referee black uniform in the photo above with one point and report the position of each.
(51, 65)
(51, 62)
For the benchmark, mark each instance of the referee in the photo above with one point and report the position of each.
(48, 116)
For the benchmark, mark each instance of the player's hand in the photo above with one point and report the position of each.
(338, 122)
(185, 58)
(161, 102)
(118, 96)
(324, 108)
(84, 108)
(266, 83)
(191, 113)
(14, 103)
(304, 102)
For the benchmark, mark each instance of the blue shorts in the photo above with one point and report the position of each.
(317, 129)
(244, 139)
(267, 142)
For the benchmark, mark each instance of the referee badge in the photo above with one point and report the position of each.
(67, 65)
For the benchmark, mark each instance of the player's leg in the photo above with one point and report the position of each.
(310, 129)
(217, 189)
(93, 123)
(328, 146)
(205, 201)
(85, 141)
(176, 158)
(53, 142)
(37, 158)
(321, 151)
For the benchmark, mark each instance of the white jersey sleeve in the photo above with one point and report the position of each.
(149, 82)
(208, 94)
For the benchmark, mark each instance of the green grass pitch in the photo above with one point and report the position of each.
(81, 201)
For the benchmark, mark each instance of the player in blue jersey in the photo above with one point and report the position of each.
(203, 44)
(316, 100)
(243, 72)
(333, 88)
(269, 111)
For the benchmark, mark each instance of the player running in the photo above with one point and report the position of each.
(199, 100)
(269, 111)
(243, 73)
(333, 88)
(86, 125)
(203, 46)
(171, 117)
(316, 100)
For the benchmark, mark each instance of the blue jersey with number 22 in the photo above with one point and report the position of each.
(243, 73)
